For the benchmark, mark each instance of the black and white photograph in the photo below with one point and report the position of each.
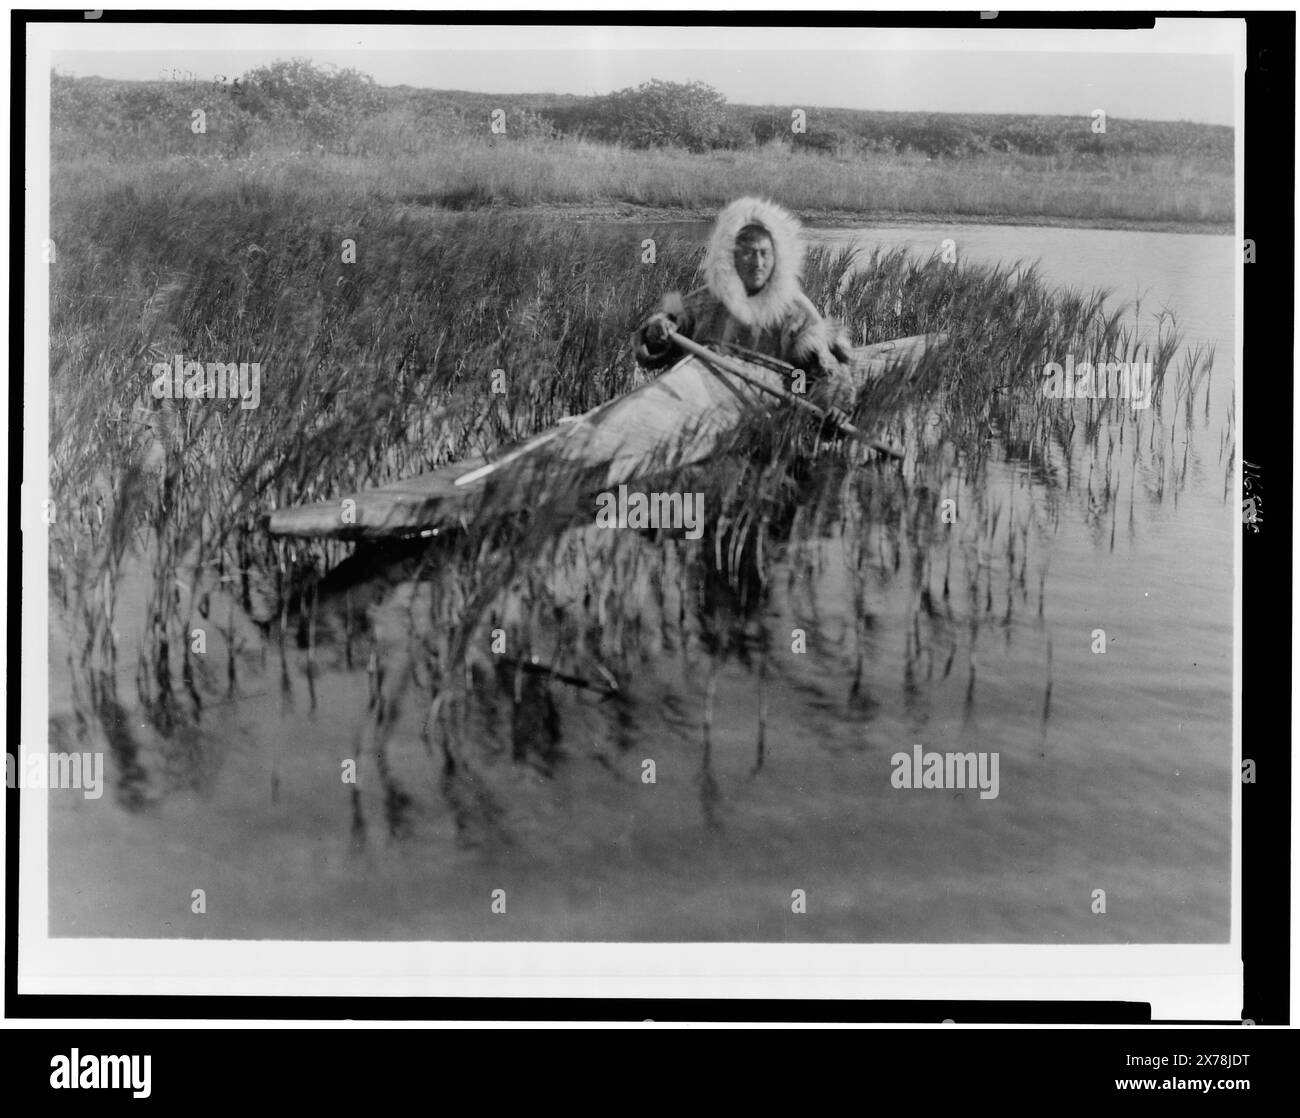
(606, 505)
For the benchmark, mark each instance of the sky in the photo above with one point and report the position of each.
(1152, 86)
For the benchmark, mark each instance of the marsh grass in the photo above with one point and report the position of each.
(469, 172)
(383, 368)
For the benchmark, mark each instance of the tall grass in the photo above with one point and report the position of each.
(463, 171)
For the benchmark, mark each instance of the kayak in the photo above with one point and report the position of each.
(680, 418)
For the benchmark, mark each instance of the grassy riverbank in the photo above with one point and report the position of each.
(675, 148)
(991, 187)
(474, 173)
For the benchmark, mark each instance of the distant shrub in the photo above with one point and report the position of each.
(660, 114)
(326, 101)
(524, 124)
(765, 129)
(1024, 139)
(943, 135)
(825, 141)
(734, 133)
(120, 120)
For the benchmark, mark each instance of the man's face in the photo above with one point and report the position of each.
(754, 260)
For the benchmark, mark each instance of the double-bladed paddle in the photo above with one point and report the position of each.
(720, 363)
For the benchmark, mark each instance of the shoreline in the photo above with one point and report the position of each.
(839, 219)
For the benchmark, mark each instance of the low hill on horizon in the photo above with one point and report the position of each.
(656, 114)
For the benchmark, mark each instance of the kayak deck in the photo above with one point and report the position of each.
(677, 419)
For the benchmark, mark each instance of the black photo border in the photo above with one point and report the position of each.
(1265, 437)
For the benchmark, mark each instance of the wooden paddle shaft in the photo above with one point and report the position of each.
(726, 364)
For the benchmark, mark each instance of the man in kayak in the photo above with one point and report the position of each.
(751, 297)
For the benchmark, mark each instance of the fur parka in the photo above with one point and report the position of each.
(779, 320)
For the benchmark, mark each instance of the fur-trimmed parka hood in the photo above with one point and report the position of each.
(766, 308)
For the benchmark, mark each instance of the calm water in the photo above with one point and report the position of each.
(1125, 786)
